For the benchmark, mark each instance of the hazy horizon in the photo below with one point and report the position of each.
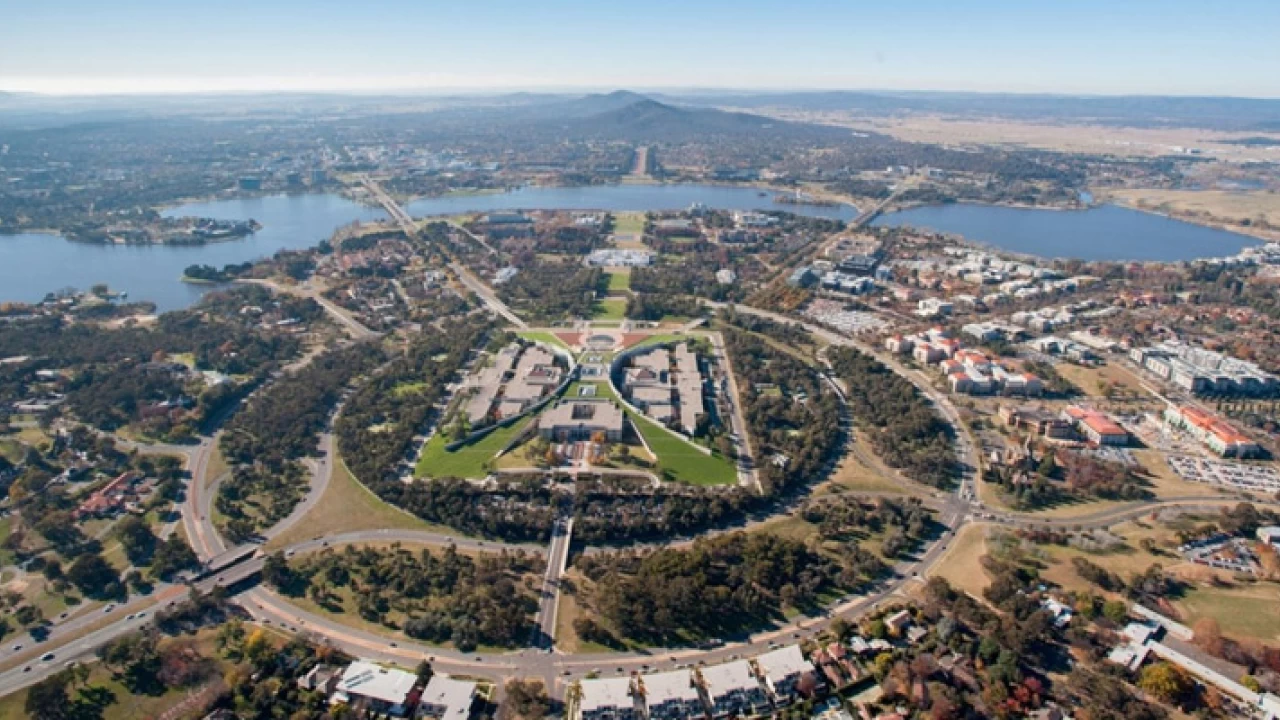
(1175, 48)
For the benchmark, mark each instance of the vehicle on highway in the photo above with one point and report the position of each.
(46, 657)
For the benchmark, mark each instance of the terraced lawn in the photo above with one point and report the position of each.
(468, 461)
(609, 309)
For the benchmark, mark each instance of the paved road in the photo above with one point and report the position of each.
(341, 315)
(549, 596)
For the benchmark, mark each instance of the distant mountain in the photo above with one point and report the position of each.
(1226, 113)
(648, 120)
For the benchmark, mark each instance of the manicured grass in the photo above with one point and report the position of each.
(1249, 611)
(412, 388)
(348, 506)
(543, 337)
(609, 309)
(619, 280)
(660, 338)
(685, 462)
(628, 222)
(468, 461)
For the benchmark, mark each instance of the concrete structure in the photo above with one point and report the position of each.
(1198, 370)
(447, 699)
(1217, 434)
(613, 257)
(688, 388)
(1097, 426)
(376, 688)
(733, 689)
(580, 418)
(608, 699)
(782, 670)
(671, 695)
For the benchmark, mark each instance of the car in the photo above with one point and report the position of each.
(26, 669)
(395, 644)
(108, 608)
(46, 657)
(129, 616)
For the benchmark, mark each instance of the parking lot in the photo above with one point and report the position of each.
(1244, 476)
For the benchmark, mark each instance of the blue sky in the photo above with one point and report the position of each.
(1085, 46)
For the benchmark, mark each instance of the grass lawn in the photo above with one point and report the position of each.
(11, 450)
(686, 463)
(1242, 611)
(660, 338)
(6, 527)
(468, 461)
(216, 467)
(871, 476)
(628, 222)
(619, 280)
(347, 506)
(609, 309)
(543, 337)
(962, 566)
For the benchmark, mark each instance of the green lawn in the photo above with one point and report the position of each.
(628, 222)
(468, 461)
(609, 309)
(619, 280)
(687, 463)
(543, 337)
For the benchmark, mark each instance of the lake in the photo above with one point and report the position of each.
(622, 197)
(32, 265)
(1108, 232)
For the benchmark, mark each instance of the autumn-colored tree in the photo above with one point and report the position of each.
(1165, 681)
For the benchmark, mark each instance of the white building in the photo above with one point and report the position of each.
(671, 695)
(782, 670)
(381, 690)
(733, 689)
(608, 699)
(447, 699)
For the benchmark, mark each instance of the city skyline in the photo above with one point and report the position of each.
(1091, 48)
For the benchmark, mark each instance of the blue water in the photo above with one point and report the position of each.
(622, 197)
(32, 265)
(1102, 233)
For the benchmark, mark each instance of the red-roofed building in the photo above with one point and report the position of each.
(1219, 435)
(1097, 426)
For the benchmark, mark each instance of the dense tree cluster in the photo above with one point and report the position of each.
(645, 306)
(256, 497)
(721, 585)
(903, 429)
(696, 277)
(548, 292)
(438, 596)
(284, 420)
(794, 424)
(516, 510)
(379, 420)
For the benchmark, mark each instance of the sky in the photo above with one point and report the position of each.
(1151, 47)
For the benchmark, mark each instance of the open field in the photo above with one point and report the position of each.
(628, 222)
(869, 475)
(962, 565)
(469, 461)
(347, 506)
(609, 308)
(619, 280)
(1093, 380)
(1065, 137)
(1222, 205)
(567, 641)
(543, 337)
(1243, 611)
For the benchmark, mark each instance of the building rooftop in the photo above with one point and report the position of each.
(676, 685)
(605, 693)
(365, 679)
(454, 695)
(784, 662)
(723, 679)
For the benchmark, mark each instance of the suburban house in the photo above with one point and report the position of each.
(376, 689)
(447, 699)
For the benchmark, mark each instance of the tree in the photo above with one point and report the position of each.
(1116, 611)
(1165, 681)
(258, 648)
(48, 699)
(137, 539)
(95, 577)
